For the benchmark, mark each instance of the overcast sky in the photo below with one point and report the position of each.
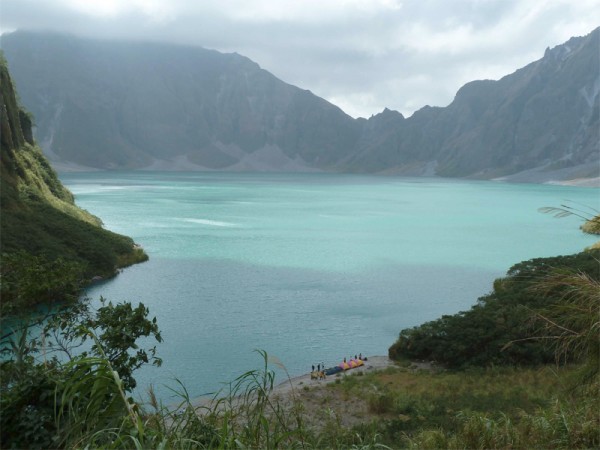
(362, 55)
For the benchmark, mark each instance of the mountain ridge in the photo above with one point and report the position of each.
(133, 105)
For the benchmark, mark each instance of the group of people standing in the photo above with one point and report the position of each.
(357, 358)
(318, 374)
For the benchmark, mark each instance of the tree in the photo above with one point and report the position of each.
(116, 329)
(38, 371)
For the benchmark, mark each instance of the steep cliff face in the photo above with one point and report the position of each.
(541, 121)
(110, 105)
(38, 214)
(24, 169)
(544, 115)
(15, 123)
(136, 105)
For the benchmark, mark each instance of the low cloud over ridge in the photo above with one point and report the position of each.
(362, 55)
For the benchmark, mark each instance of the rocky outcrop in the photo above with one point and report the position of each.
(541, 121)
(12, 136)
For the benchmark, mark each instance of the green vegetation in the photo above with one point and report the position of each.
(571, 418)
(53, 394)
(28, 280)
(480, 336)
(40, 224)
(84, 399)
(88, 405)
(476, 408)
(70, 384)
(494, 386)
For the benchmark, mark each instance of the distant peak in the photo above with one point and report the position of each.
(390, 112)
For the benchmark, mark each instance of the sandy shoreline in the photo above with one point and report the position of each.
(299, 382)
(286, 387)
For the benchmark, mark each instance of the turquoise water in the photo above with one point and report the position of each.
(311, 268)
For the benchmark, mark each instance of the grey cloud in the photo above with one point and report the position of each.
(405, 58)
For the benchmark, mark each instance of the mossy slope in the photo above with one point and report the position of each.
(39, 215)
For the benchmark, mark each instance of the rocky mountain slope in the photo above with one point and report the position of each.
(543, 119)
(38, 215)
(138, 105)
(106, 104)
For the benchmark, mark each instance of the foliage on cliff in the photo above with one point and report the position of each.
(39, 216)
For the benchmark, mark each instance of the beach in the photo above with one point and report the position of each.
(297, 383)
(294, 385)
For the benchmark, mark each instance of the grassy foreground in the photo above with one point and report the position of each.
(500, 407)
(86, 402)
(400, 407)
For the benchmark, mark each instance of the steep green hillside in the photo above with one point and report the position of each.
(39, 216)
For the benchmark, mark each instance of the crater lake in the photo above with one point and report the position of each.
(311, 268)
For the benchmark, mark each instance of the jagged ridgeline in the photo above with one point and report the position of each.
(39, 216)
(110, 104)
